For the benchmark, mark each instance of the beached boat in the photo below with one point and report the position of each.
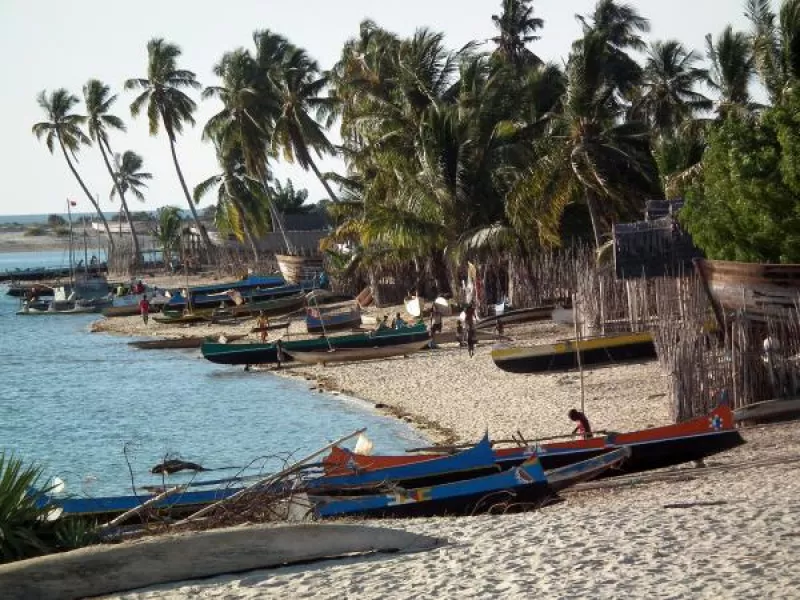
(171, 317)
(265, 353)
(49, 310)
(777, 409)
(252, 289)
(330, 317)
(519, 315)
(275, 306)
(298, 268)
(564, 355)
(651, 448)
(323, 357)
(36, 290)
(521, 487)
(473, 461)
(760, 290)
(181, 342)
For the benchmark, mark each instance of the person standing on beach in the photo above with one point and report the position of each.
(263, 326)
(469, 322)
(144, 309)
(436, 320)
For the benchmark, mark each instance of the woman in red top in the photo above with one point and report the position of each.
(144, 308)
(583, 428)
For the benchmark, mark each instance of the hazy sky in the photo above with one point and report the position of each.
(47, 45)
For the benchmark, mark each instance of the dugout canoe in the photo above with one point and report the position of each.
(520, 315)
(334, 355)
(760, 290)
(564, 355)
(651, 448)
(265, 353)
(182, 342)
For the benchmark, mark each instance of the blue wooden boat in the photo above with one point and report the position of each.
(328, 317)
(478, 459)
(107, 507)
(524, 486)
(249, 294)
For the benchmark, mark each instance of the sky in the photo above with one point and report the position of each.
(48, 45)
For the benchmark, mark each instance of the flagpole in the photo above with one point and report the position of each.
(71, 261)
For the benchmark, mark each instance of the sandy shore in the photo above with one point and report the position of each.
(616, 542)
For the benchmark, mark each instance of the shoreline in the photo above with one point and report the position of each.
(724, 531)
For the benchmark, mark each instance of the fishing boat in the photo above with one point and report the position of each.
(760, 290)
(564, 355)
(194, 341)
(520, 315)
(777, 409)
(524, 486)
(298, 268)
(321, 318)
(651, 448)
(251, 288)
(265, 353)
(476, 460)
(171, 317)
(272, 306)
(322, 357)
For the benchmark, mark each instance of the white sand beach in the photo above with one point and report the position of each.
(618, 541)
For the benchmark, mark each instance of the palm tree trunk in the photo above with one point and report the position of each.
(248, 232)
(322, 180)
(276, 218)
(89, 196)
(134, 239)
(203, 233)
(592, 216)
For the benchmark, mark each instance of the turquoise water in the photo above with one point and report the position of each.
(74, 401)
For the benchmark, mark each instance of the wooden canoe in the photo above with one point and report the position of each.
(769, 410)
(182, 342)
(298, 268)
(357, 354)
(760, 290)
(564, 355)
(520, 315)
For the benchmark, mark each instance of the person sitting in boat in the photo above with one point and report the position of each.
(383, 324)
(584, 429)
(398, 322)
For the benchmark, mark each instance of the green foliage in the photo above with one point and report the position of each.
(36, 230)
(56, 220)
(61, 231)
(746, 209)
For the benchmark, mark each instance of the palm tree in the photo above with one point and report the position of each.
(128, 177)
(167, 230)
(776, 46)
(168, 105)
(668, 97)
(589, 152)
(517, 25)
(99, 121)
(65, 128)
(239, 206)
(288, 200)
(732, 67)
(296, 132)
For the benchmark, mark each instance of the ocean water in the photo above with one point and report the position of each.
(96, 412)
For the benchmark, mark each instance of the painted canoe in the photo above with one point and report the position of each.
(761, 290)
(436, 469)
(272, 307)
(182, 342)
(651, 448)
(232, 296)
(561, 356)
(519, 315)
(330, 317)
(524, 484)
(323, 357)
(169, 317)
(265, 353)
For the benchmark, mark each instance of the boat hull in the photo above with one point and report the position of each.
(762, 291)
(358, 354)
(254, 354)
(564, 356)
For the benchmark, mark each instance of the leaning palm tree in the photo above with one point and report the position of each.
(99, 121)
(517, 25)
(129, 177)
(296, 132)
(732, 68)
(167, 230)
(168, 105)
(668, 96)
(64, 128)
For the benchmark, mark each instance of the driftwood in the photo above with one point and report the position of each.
(101, 570)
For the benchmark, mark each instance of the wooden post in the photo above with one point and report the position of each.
(135, 511)
(577, 344)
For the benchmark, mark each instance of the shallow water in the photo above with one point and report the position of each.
(74, 401)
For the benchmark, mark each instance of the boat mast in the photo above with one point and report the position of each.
(71, 261)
